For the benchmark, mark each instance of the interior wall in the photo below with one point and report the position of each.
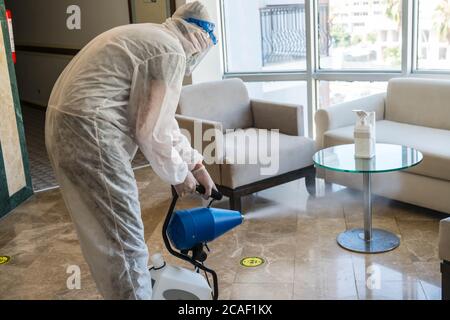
(37, 74)
(45, 44)
(43, 23)
(155, 11)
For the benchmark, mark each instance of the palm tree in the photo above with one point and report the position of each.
(394, 11)
(442, 19)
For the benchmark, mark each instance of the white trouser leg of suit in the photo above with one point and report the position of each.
(100, 192)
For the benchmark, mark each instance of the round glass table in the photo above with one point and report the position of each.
(388, 158)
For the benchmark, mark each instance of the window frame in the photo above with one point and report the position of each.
(313, 74)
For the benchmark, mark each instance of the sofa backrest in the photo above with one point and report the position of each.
(422, 102)
(225, 101)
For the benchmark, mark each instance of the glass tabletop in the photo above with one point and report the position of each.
(388, 158)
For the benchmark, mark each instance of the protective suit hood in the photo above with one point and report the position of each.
(195, 40)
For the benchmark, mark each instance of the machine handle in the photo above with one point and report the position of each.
(216, 195)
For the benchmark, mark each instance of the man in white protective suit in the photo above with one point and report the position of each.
(120, 93)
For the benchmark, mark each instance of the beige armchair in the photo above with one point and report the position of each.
(236, 127)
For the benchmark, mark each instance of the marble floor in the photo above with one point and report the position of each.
(293, 232)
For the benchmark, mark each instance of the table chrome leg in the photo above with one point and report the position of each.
(367, 207)
(368, 240)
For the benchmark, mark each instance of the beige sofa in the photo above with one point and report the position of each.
(413, 112)
(226, 107)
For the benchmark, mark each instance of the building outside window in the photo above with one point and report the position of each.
(359, 44)
(265, 35)
(368, 38)
(434, 34)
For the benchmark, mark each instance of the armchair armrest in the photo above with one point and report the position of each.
(204, 135)
(288, 118)
(341, 115)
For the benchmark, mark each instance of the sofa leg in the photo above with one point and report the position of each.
(235, 203)
(310, 181)
(445, 269)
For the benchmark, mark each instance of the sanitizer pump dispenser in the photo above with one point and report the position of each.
(365, 135)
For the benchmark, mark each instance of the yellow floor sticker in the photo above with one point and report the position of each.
(252, 262)
(4, 259)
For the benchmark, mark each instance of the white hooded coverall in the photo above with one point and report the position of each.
(120, 93)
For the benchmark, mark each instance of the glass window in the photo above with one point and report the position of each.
(360, 35)
(294, 92)
(434, 34)
(335, 92)
(265, 35)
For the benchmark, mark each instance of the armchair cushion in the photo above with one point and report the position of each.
(295, 153)
(288, 118)
(225, 101)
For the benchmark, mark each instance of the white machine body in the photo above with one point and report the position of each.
(176, 283)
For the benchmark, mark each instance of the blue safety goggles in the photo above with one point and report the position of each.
(208, 27)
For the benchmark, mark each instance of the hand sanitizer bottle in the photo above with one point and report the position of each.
(365, 136)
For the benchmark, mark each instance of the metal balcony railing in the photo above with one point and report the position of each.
(283, 32)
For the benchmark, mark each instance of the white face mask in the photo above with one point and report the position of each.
(203, 43)
(193, 62)
(195, 41)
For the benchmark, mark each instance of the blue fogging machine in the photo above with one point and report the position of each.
(186, 234)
